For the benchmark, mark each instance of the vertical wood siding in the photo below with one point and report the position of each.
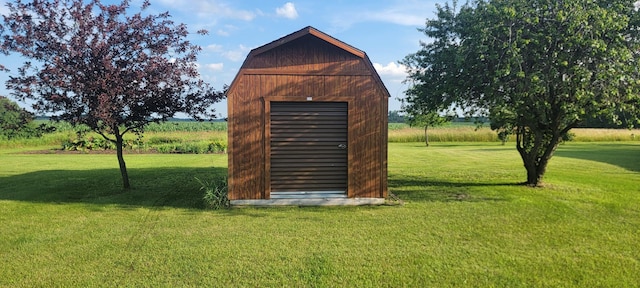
(246, 141)
(307, 67)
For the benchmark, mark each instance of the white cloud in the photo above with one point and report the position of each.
(215, 66)
(214, 48)
(288, 10)
(226, 30)
(405, 13)
(392, 69)
(237, 54)
(396, 17)
(209, 8)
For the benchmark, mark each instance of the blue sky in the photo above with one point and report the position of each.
(385, 30)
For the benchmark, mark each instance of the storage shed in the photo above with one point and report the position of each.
(307, 118)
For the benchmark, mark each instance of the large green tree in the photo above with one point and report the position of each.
(14, 121)
(537, 68)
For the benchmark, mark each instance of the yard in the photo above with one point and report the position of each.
(66, 222)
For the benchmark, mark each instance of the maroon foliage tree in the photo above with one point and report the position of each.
(3, 49)
(97, 65)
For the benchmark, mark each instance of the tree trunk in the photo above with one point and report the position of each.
(123, 166)
(535, 153)
(534, 175)
(426, 136)
(536, 169)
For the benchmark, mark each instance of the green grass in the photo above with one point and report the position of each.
(66, 222)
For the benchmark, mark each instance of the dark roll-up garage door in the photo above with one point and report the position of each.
(308, 147)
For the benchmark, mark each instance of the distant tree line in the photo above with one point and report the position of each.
(396, 116)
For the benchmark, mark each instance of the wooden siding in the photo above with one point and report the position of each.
(246, 141)
(309, 55)
(306, 69)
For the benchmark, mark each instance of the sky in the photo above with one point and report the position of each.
(386, 30)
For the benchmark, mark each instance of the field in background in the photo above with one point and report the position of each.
(469, 132)
(465, 222)
(168, 137)
(208, 137)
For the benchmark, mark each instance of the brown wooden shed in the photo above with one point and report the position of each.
(307, 118)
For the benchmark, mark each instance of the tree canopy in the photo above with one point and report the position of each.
(536, 68)
(99, 65)
(16, 122)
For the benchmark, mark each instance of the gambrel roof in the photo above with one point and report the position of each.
(311, 31)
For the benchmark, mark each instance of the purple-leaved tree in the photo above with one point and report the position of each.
(98, 65)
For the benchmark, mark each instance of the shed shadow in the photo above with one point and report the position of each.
(436, 190)
(175, 187)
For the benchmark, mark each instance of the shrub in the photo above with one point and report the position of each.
(218, 146)
(187, 126)
(194, 148)
(166, 148)
(162, 140)
(504, 135)
(215, 193)
(198, 147)
(89, 143)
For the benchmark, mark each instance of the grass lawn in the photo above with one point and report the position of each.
(65, 221)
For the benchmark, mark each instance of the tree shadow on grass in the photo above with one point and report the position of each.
(623, 155)
(158, 187)
(435, 190)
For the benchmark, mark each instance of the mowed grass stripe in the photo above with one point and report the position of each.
(466, 222)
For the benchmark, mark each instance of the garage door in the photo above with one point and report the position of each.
(308, 148)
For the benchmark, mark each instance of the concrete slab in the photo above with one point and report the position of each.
(310, 202)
